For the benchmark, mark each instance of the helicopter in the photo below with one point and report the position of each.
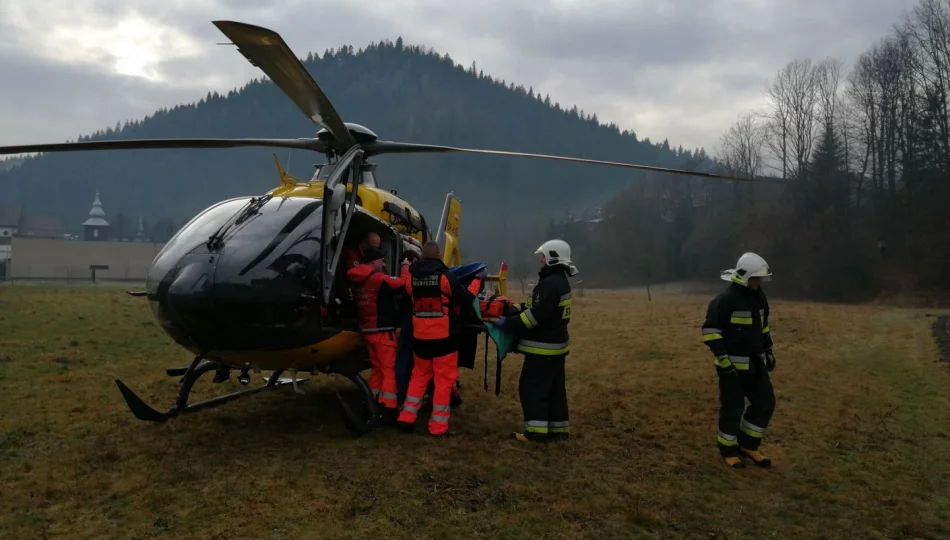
(254, 284)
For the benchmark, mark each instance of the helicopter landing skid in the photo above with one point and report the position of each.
(189, 375)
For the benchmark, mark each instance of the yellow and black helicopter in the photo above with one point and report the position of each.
(257, 283)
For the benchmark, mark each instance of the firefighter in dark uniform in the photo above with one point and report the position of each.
(736, 330)
(541, 327)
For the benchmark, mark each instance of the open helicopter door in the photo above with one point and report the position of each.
(335, 219)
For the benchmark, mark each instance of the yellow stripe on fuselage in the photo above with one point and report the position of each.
(346, 349)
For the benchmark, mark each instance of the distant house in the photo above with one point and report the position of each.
(9, 220)
(37, 226)
(15, 222)
(9, 224)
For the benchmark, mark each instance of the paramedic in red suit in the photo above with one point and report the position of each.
(438, 299)
(355, 256)
(379, 322)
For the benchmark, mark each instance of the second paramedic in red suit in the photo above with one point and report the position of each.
(438, 298)
(379, 322)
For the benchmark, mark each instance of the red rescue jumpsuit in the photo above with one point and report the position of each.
(379, 323)
(353, 257)
(437, 297)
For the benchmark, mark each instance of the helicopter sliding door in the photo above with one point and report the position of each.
(336, 217)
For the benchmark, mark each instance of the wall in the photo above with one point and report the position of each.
(45, 258)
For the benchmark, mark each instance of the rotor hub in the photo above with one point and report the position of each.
(361, 134)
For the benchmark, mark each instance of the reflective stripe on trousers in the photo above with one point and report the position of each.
(726, 439)
(444, 369)
(750, 429)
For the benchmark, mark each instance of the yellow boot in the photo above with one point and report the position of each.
(734, 462)
(760, 459)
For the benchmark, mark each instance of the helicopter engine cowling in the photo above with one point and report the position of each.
(243, 275)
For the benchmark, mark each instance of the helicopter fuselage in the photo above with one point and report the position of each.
(241, 283)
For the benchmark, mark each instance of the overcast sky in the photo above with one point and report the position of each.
(677, 69)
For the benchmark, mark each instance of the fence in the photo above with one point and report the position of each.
(74, 260)
(78, 273)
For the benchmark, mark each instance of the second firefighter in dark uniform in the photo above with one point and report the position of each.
(736, 330)
(543, 338)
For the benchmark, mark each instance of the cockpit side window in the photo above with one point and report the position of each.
(283, 238)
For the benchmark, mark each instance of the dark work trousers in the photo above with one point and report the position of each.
(738, 425)
(543, 397)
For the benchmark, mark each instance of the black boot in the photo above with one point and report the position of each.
(387, 416)
(455, 399)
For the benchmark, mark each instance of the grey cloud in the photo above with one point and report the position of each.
(678, 70)
(50, 101)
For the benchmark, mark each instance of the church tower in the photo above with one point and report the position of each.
(96, 227)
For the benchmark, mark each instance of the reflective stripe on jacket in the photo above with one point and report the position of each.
(737, 326)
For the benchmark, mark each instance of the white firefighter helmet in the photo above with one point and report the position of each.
(749, 265)
(557, 252)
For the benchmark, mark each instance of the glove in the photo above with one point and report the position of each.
(769, 360)
(724, 366)
(500, 322)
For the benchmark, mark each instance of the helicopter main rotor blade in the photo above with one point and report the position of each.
(266, 50)
(145, 144)
(389, 147)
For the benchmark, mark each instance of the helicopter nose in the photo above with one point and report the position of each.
(210, 304)
(190, 297)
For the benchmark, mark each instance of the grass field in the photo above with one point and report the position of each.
(860, 438)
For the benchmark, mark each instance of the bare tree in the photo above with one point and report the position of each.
(741, 147)
(927, 32)
(778, 120)
(862, 97)
(829, 74)
(794, 107)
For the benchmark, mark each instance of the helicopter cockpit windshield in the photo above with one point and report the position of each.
(245, 272)
(193, 234)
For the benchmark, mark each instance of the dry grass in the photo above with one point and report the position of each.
(860, 437)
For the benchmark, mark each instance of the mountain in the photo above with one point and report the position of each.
(404, 93)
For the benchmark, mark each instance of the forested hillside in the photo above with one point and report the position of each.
(865, 203)
(9, 163)
(400, 92)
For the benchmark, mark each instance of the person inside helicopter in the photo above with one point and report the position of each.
(361, 235)
(353, 256)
